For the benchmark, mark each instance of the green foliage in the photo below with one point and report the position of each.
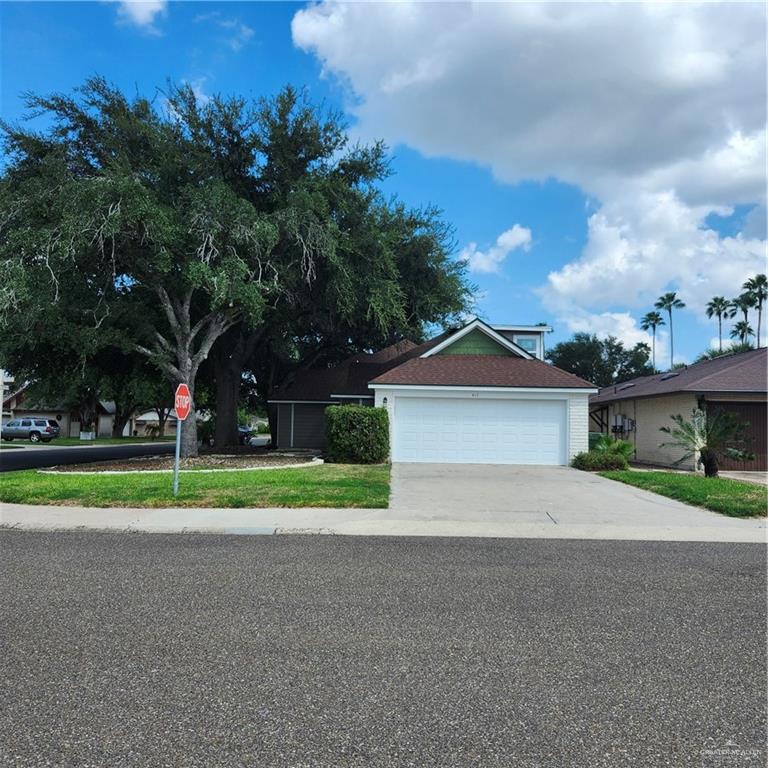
(357, 434)
(326, 485)
(729, 497)
(742, 331)
(597, 461)
(708, 436)
(607, 444)
(594, 437)
(262, 428)
(733, 349)
(601, 361)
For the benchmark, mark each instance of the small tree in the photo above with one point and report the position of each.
(742, 331)
(668, 302)
(757, 286)
(719, 307)
(709, 437)
(650, 322)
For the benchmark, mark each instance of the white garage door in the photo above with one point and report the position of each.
(462, 431)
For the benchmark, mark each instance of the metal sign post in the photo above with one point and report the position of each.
(182, 403)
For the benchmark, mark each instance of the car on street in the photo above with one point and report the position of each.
(32, 429)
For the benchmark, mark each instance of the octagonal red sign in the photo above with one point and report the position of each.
(182, 402)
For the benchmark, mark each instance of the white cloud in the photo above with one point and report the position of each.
(142, 13)
(638, 247)
(236, 34)
(490, 260)
(656, 111)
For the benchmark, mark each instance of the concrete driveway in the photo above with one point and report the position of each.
(551, 502)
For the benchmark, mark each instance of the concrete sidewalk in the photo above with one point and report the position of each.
(701, 526)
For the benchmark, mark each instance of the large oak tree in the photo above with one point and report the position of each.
(169, 229)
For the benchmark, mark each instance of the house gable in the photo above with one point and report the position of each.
(477, 338)
(476, 343)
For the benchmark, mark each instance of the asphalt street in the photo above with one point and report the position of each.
(326, 651)
(33, 458)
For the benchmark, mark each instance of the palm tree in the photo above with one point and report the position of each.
(668, 302)
(758, 287)
(719, 307)
(650, 322)
(707, 437)
(742, 331)
(743, 303)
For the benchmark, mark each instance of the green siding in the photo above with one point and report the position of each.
(475, 343)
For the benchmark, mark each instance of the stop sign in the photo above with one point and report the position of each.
(182, 402)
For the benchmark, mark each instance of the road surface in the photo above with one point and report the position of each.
(148, 650)
(33, 458)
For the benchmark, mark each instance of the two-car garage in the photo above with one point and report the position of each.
(474, 430)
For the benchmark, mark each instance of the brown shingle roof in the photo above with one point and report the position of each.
(349, 377)
(742, 372)
(479, 371)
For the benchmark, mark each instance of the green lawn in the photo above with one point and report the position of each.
(330, 485)
(730, 497)
(107, 440)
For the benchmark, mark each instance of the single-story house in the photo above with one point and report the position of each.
(636, 410)
(476, 394)
(18, 404)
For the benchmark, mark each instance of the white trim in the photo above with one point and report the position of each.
(502, 341)
(466, 387)
(353, 397)
(524, 328)
(303, 402)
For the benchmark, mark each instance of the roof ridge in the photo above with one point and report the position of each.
(738, 364)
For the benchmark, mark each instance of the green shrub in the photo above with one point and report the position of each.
(608, 444)
(262, 428)
(597, 461)
(594, 437)
(357, 434)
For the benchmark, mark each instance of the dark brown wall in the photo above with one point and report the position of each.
(756, 434)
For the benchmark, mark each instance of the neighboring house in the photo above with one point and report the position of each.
(17, 404)
(470, 395)
(636, 410)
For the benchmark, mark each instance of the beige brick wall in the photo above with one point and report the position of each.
(650, 414)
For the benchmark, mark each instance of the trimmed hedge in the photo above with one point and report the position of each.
(357, 434)
(597, 461)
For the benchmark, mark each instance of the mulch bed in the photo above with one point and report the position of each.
(207, 461)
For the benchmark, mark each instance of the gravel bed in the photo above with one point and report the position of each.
(209, 461)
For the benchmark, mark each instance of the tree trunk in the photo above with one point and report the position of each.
(162, 418)
(720, 330)
(671, 343)
(118, 425)
(229, 371)
(189, 430)
(231, 355)
(759, 322)
(709, 461)
(201, 335)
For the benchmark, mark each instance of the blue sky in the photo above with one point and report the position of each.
(609, 191)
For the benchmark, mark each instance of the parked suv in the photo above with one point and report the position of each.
(34, 430)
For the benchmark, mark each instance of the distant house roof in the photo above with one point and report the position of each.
(479, 371)
(349, 377)
(740, 372)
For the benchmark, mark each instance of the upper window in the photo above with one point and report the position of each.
(528, 343)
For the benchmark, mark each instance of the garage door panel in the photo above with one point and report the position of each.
(463, 430)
